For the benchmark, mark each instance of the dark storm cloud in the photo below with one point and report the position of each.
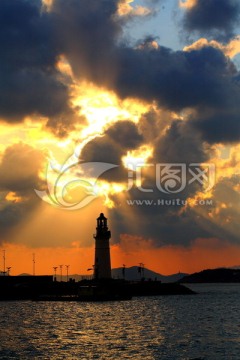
(214, 17)
(102, 149)
(152, 124)
(126, 134)
(29, 82)
(112, 146)
(176, 79)
(219, 127)
(167, 218)
(180, 145)
(167, 223)
(87, 31)
(163, 216)
(19, 169)
(164, 224)
(204, 79)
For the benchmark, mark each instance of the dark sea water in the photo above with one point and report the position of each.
(203, 326)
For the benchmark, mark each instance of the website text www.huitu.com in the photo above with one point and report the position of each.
(171, 202)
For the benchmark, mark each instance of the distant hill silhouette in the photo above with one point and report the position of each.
(224, 275)
(132, 273)
(220, 275)
(25, 274)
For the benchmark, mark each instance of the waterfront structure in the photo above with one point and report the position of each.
(102, 264)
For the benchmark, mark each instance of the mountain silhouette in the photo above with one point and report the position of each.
(220, 275)
(133, 273)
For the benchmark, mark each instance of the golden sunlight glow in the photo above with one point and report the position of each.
(137, 158)
(149, 45)
(231, 49)
(47, 3)
(64, 67)
(226, 166)
(105, 189)
(102, 108)
(11, 196)
(187, 4)
(31, 131)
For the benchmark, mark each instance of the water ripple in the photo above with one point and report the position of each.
(202, 327)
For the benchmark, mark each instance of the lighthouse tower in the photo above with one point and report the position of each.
(102, 265)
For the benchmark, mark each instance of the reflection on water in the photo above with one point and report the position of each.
(203, 326)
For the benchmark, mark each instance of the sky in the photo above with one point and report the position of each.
(126, 107)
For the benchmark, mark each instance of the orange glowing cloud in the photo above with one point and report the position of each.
(125, 9)
(231, 49)
(187, 4)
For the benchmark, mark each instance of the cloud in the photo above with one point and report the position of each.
(128, 12)
(219, 127)
(216, 18)
(112, 146)
(202, 78)
(179, 144)
(20, 169)
(187, 4)
(30, 83)
(166, 223)
(166, 218)
(88, 35)
(175, 80)
(231, 49)
(87, 31)
(126, 134)
(201, 85)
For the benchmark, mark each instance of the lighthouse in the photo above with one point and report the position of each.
(102, 265)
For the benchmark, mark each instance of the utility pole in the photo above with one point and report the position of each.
(33, 260)
(4, 262)
(123, 270)
(61, 266)
(55, 273)
(67, 267)
(141, 270)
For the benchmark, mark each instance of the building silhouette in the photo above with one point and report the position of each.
(102, 265)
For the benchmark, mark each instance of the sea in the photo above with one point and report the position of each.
(196, 327)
